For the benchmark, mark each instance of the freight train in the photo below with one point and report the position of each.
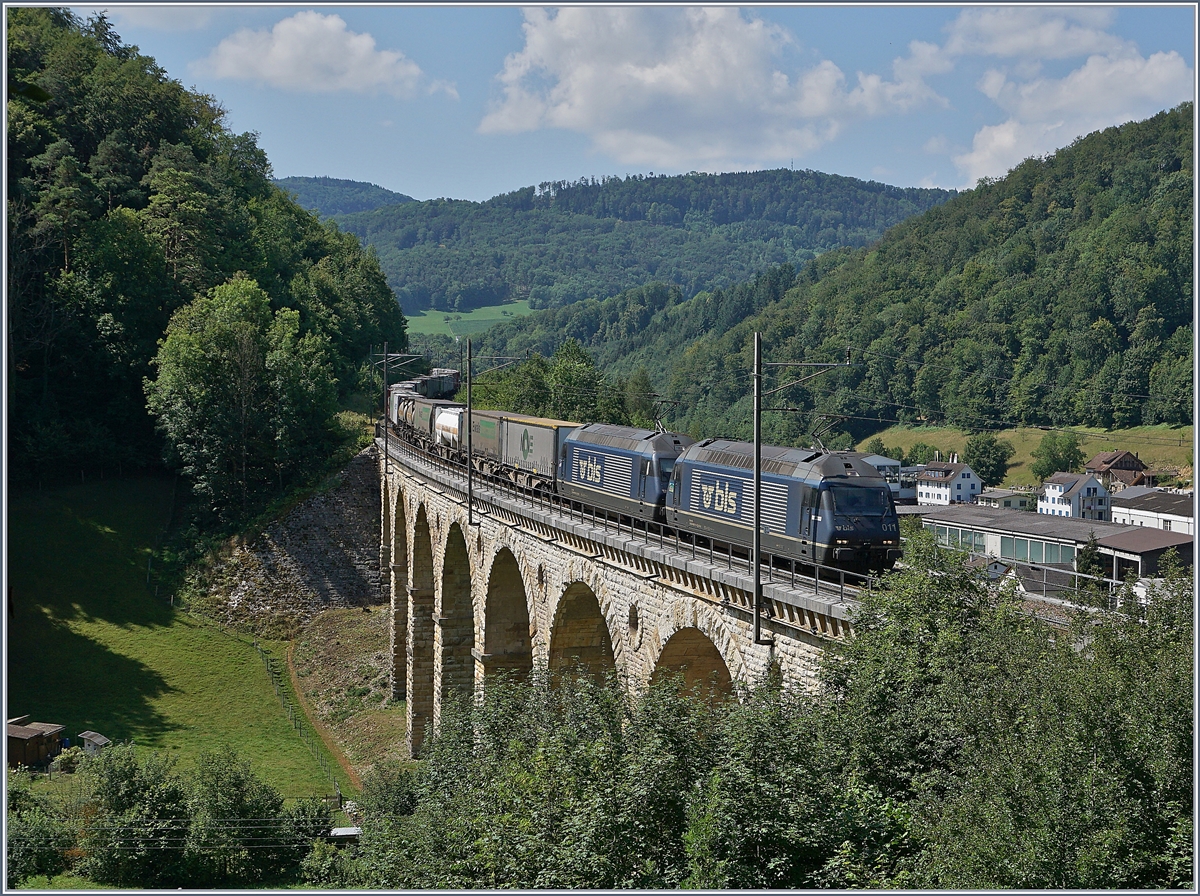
(818, 506)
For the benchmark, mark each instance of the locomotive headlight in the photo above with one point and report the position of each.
(843, 541)
(889, 541)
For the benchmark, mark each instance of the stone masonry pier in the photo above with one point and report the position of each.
(526, 584)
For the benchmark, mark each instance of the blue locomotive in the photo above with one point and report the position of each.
(620, 468)
(819, 506)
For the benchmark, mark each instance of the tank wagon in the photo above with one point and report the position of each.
(620, 468)
(823, 507)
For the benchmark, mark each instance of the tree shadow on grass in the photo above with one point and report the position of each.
(81, 553)
(77, 557)
(58, 675)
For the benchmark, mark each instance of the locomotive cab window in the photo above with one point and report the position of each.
(857, 501)
(665, 466)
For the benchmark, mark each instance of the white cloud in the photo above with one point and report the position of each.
(1114, 83)
(314, 52)
(1037, 32)
(1045, 114)
(688, 87)
(937, 145)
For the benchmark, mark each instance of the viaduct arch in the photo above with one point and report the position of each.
(517, 587)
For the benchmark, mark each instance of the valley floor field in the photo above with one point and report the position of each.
(463, 323)
(1159, 447)
(91, 647)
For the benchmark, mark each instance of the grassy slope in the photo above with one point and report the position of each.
(1159, 446)
(90, 646)
(440, 323)
(341, 662)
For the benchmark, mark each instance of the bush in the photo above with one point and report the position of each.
(37, 841)
(69, 760)
(327, 866)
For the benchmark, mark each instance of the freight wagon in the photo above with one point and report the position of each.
(523, 449)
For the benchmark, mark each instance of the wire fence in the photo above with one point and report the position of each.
(297, 717)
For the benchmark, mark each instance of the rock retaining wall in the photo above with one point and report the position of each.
(324, 553)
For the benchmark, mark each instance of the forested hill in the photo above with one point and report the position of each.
(1060, 294)
(129, 202)
(331, 196)
(563, 242)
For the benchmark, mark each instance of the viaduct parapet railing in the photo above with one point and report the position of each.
(530, 580)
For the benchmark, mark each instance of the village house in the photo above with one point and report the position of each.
(32, 743)
(948, 483)
(1078, 495)
(1119, 469)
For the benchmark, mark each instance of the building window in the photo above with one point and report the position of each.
(1166, 525)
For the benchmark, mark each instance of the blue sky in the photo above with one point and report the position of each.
(469, 102)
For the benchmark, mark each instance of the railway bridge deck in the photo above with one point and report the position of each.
(529, 581)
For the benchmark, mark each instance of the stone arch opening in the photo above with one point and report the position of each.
(507, 645)
(420, 635)
(456, 624)
(579, 637)
(398, 564)
(691, 654)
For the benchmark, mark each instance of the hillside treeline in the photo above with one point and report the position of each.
(956, 743)
(1058, 295)
(128, 200)
(564, 242)
(333, 196)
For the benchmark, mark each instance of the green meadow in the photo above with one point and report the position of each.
(1158, 446)
(90, 646)
(463, 323)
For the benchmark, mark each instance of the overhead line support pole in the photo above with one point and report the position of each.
(385, 410)
(758, 638)
(470, 454)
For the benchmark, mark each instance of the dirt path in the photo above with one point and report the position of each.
(319, 726)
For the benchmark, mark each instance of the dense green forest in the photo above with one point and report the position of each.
(1058, 295)
(566, 241)
(956, 742)
(333, 196)
(128, 202)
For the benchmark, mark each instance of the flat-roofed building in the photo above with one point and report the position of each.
(1032, 538)
(901, 482)
(1169, 511)
(1007, 497)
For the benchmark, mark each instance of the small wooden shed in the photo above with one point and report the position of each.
(93, 742)
(32, 743)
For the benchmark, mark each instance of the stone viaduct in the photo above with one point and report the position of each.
(524, 584)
